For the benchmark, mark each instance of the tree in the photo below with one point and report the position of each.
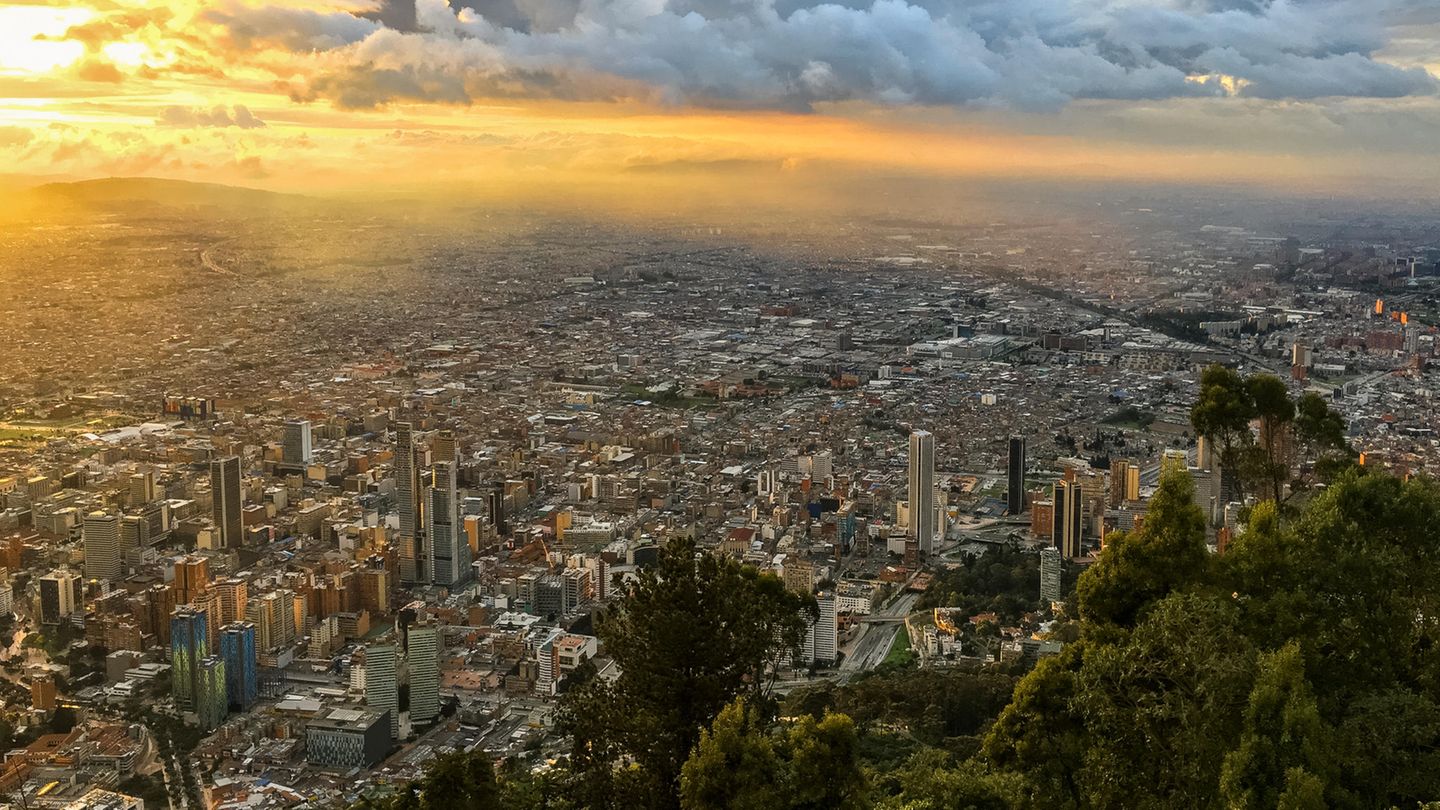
(1284, 743)
(459, 781)
(740, 763)
(931, 780)
(1161, 705)
(1137, 568)
(1276, 411)
(1321, 435)
(1222, 415)
(692, 633)
(734, 765)
(1041, 736)
(824, 768)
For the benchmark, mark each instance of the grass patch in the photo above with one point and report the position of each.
(900, 654)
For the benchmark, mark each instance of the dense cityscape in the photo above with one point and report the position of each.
(267, 544)
(719, 405)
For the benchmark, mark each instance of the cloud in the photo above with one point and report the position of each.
(217, 116)
(15, 136)
(793, 54)
(98, 70)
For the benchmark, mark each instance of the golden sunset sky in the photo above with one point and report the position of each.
(347, 94)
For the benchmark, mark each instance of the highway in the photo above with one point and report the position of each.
(873, 639)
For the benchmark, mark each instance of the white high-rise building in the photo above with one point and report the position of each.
(296, 443)
(827, 629)
(1050, 568)
(922, 489)
(101, 535)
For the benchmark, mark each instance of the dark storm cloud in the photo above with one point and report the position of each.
(1027, 54)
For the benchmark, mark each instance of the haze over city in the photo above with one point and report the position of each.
(710, 404)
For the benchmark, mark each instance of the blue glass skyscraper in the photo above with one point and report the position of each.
(237, 648)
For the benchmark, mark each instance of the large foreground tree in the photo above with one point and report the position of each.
(691, 634)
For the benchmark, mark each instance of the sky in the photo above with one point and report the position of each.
(1319, 95)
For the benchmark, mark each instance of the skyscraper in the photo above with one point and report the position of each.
(382, 682)
(237, 647)
(410, 536)
(211, 705)
(922, 489)
(496, 498)
(225, 509)
(188, 647)
(101, 535)
(1051, 565)
(449, 562)
(1069, 511)
(1118, 468)
(1015, 492)
(422, 658)
(295, 447)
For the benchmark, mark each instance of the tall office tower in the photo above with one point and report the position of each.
(234, 596)
(101, 536)
(1015, 492)
(449, 562)
(211, 703)
(1069, 512)
(1132, 482)
(237, 647)
(922, 489)
(60, 595)
(188, 647)
(496, 497)
(1051, 565)
(411, 535)
(382, 682)
(142, 488)
(295, 446)
(1118, 469)
(192, 577)
(225, 509)
(422, 658)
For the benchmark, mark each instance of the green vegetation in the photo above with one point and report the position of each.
(1131, 417)
(900, 655)
(1003, 580)
(1227, 405)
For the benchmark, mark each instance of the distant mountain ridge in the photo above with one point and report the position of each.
(110, 191)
